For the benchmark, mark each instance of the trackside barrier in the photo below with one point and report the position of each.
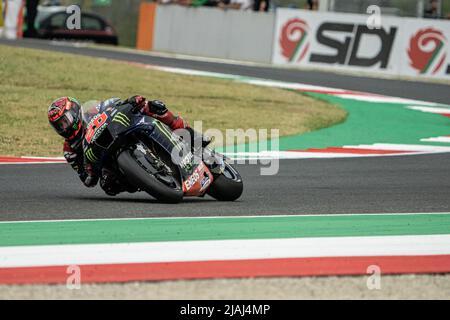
(1, 14)
(211, 32)
(331, 41)
(146, 25)
(13, 23)
(399, 46)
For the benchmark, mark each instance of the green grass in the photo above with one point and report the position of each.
(31, 79)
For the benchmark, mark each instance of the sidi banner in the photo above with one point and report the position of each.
(334, 40)
(396, 46)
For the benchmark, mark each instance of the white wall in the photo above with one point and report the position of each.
(212, 32)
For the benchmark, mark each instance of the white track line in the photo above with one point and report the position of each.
(177, 251)
(228, 217)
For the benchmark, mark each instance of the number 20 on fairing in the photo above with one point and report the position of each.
(94, 125)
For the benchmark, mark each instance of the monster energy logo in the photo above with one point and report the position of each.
(90, 155)
(168, 134)
(122, 119)
(73, 100)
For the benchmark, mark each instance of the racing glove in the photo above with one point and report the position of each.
(138, 102)
(157, 107)
(90, 178)
(158, 110)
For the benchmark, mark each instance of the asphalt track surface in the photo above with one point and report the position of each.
(309, 186)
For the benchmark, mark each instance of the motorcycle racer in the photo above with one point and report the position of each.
(65, 115)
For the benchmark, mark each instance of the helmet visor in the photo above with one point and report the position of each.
(64, 125)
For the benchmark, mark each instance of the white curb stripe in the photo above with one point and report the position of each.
(412, 149)
(430, 109)
(286, 155)
(403, 147)
(292, 85)
(437, 139)
(383, 99)
(177, 251)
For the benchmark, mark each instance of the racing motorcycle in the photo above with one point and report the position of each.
(147, 156)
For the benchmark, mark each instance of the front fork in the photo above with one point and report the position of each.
(214, 161)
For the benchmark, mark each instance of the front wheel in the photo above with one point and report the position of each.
(137, 169)
(228, 186)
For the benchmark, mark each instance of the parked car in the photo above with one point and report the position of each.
(93, 28)
(45, 10)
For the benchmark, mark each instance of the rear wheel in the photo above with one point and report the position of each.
(150, 174)
(228, 186)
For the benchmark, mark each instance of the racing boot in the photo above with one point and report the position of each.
(112, 185)
(196, 137)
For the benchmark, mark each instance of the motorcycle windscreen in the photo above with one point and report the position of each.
(90, 109)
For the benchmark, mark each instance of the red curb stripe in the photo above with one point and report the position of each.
(27, 160)
(329, 266)
(351, 150)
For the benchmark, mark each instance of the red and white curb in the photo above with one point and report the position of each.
(283, 267)
(30, 160)
(211, 250)
(373, 150)
(226, 258)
